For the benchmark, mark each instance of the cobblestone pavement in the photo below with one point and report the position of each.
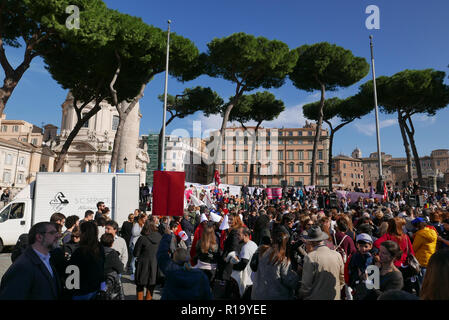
(128, 286)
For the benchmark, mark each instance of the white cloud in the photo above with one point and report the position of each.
(370, 129)
(424, 119)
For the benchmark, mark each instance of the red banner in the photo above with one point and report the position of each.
(168, 193)
(217, 178)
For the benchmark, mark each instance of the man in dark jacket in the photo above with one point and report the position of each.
(181, 281)
(188, 227)
(32, 276)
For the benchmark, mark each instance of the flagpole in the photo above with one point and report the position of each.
(380, 185)
(165, 100)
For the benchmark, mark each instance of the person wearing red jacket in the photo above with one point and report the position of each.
(395, 233)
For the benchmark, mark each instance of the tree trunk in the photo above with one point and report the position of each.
(406, 147)
(118, 137)
(317, 138)
(253, 158)
(9, 84)
(411, 133)
(59, 162)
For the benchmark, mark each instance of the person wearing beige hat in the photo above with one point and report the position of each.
(323, 269)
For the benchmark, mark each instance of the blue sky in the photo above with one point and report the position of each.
(412, 35)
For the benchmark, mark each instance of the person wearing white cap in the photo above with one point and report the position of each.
(197, 236)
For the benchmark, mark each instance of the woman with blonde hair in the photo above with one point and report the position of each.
(207, 252)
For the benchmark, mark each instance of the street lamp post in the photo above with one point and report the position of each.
(165, 98)
(379, 187)
(125, 160)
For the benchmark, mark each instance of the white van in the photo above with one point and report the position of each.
(70, 194)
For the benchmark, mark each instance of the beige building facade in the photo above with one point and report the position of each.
(91, 149)
(280, 156)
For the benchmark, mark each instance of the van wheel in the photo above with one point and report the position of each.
(1, 246)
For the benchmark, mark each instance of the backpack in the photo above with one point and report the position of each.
(340, 250)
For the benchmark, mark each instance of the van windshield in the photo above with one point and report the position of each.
(4, 213)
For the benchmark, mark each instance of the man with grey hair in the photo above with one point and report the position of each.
(32, 276)
(323, 269)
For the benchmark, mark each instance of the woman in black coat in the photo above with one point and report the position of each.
(146, 264)
(89, 258)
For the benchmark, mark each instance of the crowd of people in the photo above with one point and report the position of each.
(304, 245)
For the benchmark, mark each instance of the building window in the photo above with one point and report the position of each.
(236, 167)
(290, 133)
(237, 155)
(43, 168)
(245, 167)
(6, 176)
(258, 155)
(270, 181)
(290, 141)
(20, 178)
(258, 181)
(290, 155)
(281, 168)
(4, 128)
(269, 154)
(236, 180)
(300, 154)
(320, 154)
(115, 120)
(8, 158)
(291, 167)
(15, 128)
(310, 133)
(245, 155)
(21, 161)
(245, 180)
(86, 124)
(300, 133)
(292, 181)
(222, 168)
(281, 155)
(320, 168)
(34, 141)
(245, 141)
(344, 174)
(344, 165)
(301, 167)
(259, 167)
(270, 168)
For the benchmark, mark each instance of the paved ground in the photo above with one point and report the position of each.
(128, 286)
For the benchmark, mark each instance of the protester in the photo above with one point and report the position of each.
(323, 270)
(89, 258)
(390, 276)
(70, 223)
(119, 243)
(436, 280)
(146, 263)
(241, 268)
(274, 278)
(32, 276)
(207, 252)
(100, 209)
(135, 234)
(182, 281)
(113, 268)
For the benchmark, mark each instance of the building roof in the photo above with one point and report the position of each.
(344, 157)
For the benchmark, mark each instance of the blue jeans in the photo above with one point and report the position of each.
(421, 276)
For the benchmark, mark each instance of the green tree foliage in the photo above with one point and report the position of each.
(258, 107)
(249, 62)
(325, 67)
(188, 103)
(140, 52)
(407, 93)
(27, 23)
(346, 110)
